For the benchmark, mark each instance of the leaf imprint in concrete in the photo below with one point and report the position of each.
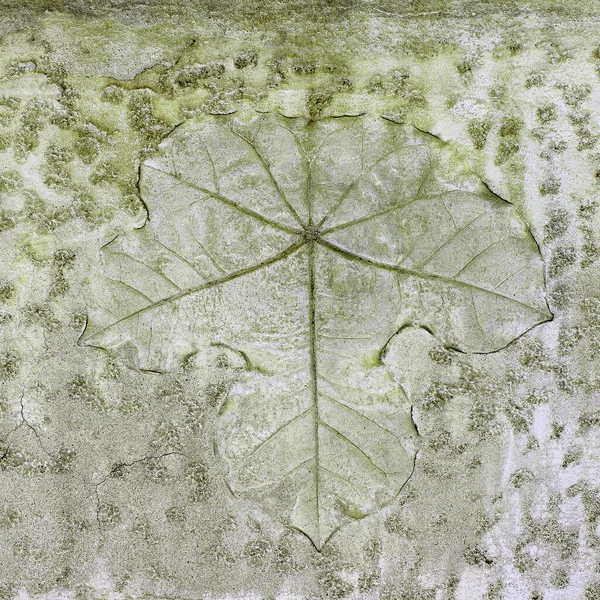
(306, 247)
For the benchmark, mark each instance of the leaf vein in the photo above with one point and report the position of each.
(227, 201)
(427, 276)
(360, 414)
(242, 272)
(274, 434)
(351, 443)
(276, 185)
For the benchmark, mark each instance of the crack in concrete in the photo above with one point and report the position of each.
(28, 425)
(116, 467)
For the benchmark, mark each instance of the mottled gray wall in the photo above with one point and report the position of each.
(114, 474)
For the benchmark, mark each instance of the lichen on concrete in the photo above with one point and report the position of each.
(357, 241)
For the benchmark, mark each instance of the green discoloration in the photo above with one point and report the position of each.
(111, 480)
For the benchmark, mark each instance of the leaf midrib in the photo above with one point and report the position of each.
(200, 288)
(428, 276)
(312, 340)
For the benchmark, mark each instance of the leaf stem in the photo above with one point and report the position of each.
(313, 374)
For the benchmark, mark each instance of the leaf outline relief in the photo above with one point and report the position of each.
(307, 247)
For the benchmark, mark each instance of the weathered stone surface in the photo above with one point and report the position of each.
(299, 302)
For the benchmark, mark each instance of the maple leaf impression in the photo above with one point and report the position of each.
(306, 247)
